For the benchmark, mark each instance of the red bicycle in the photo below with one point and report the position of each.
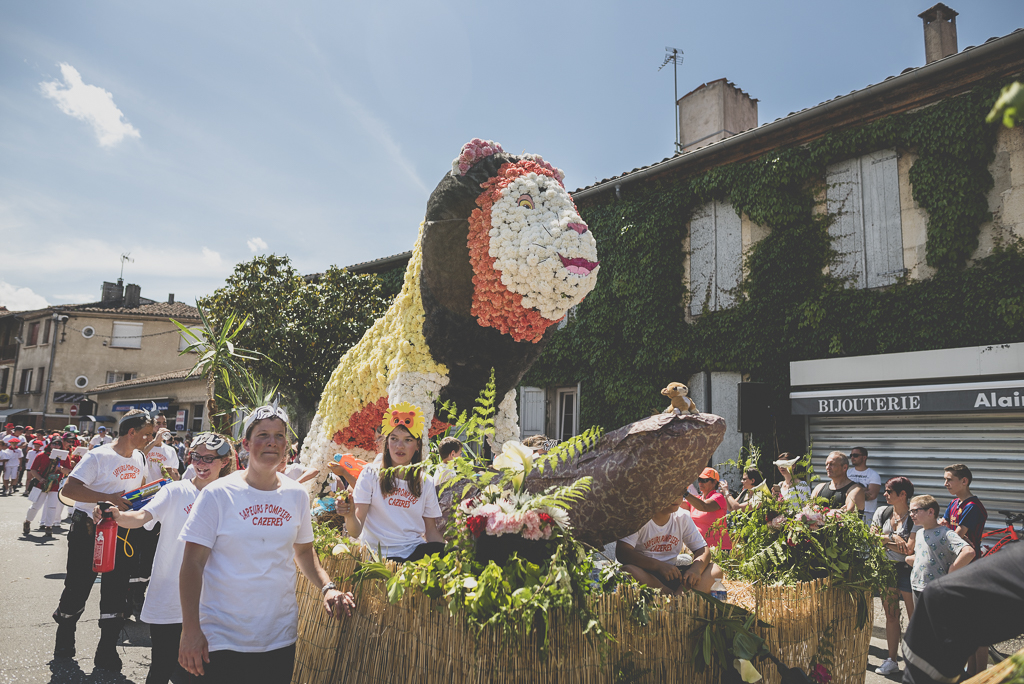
(993, 542)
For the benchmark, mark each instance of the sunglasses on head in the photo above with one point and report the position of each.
(212, 442)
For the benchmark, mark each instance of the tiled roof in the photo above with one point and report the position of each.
(156, 309)
(681, 158)
(173, 376)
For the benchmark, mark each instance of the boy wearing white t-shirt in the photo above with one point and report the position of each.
(650, 555)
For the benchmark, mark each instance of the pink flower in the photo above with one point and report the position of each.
(777, 522)
(820, 674)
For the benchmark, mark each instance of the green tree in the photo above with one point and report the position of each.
(301, 325)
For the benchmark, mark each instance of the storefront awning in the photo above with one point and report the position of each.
(969, 397)
(4, 413)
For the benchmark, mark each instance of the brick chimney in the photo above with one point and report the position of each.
(170, 298)
(112, 293)
(939, 32)
(714, 111)
(132, 295)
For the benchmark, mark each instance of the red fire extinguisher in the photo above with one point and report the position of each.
(105, 548)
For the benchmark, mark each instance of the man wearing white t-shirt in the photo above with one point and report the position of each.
(867, 478)
(102, 476)
(650, 554)
(101, 438)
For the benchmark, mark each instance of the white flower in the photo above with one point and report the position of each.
(514, 456)
(748, 673)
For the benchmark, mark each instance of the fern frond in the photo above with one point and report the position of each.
(577, 446)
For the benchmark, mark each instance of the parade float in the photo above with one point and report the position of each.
(521, 595)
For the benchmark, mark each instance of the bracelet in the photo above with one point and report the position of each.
(327, 587)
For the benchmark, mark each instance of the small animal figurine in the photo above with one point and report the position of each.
(678, 394)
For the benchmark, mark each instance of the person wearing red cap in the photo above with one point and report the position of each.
(708, 508)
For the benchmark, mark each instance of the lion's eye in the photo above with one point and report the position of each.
(525, 201)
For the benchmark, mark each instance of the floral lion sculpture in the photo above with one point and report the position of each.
(501, 257)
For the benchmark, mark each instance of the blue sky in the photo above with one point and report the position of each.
(193, 135)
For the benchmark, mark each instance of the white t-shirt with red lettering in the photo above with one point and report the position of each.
(108, 472)
(163, 455)
(170, 508)
(394, 524)
(248, 601)
(664, 542)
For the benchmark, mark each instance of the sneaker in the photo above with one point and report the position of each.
(47, 533)
(26, 527)
(888, 667)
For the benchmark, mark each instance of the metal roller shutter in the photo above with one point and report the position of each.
(919, 447)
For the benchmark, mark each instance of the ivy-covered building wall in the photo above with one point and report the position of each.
(672, 302)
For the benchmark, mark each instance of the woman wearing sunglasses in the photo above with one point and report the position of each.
(212, 458)
(708, 508)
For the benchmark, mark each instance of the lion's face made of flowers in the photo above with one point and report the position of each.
(505, 256)
(541, 247)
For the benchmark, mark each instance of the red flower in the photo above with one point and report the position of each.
(545, 519)
(476, 524)
(361, 424)
(820, 674)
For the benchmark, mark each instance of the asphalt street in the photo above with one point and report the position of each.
(33, 572)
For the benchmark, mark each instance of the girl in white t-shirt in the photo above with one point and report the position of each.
(243, 538)
(213, 458)
(397, 517)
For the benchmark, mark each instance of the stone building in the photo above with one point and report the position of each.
(880, 234)
(52, 359)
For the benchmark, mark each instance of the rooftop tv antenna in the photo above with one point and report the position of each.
(127, 256)
(675, 57)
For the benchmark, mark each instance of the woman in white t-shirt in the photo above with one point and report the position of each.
(243, 538)
(212, 457)
(394, 516)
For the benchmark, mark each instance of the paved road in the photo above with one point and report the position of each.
(32, 572)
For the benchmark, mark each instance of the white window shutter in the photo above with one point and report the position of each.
(126, 335)
(845, 199)
(728, 253)
(531, 411)
(883, 235)
(702, 258)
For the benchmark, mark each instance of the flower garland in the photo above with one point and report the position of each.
(506, 422)
(391, 361)
(532, 255)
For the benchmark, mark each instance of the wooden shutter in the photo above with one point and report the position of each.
(531, 411)
(716, 256)
(867, 232)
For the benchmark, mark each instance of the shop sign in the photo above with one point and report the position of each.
(886, 402)
(124, 406)
(180, 419)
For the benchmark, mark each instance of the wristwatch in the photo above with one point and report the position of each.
(327, 587)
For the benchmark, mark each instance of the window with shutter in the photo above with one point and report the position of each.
(716, 256)
(126, 335)
(184, 341)
(531, 411)
(864, 194)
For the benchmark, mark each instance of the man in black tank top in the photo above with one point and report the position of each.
(841, 491)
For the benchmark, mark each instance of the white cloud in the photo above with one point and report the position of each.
(20, 298)
(211, 258)
(256, 245)
(91, 104)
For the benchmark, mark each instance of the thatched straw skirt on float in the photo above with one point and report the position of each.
(417, 641)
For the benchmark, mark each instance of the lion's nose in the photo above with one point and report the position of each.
(580, 228)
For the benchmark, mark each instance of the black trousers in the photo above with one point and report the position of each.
(979, 605)
(79, 580)
(423, 550)
(234, 667)
(143, 543)
(166, 640)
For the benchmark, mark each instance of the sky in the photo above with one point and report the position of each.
(192, 136)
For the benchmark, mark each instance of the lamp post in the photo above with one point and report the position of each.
(57, 318)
